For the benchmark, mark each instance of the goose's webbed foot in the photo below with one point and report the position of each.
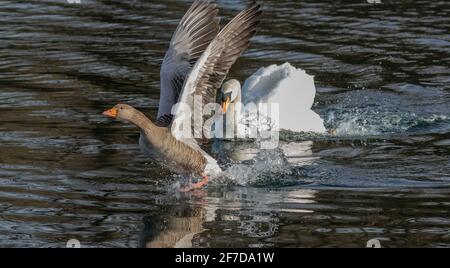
(196, 184)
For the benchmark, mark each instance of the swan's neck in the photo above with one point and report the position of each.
(239, 96)
(235, 106)
(232, 117)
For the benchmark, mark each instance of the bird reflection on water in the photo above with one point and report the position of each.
(251, 213)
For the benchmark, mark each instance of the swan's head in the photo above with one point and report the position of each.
(121, 112)
(231, 91)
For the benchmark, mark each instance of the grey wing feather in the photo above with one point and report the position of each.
(164, 121)
(196, 30)
(212, 68)
(229, 45)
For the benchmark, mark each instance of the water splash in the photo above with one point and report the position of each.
(365, 122)
(268, 167)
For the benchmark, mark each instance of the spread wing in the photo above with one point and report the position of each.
(204, 81)
(196, 30)
(164, 120)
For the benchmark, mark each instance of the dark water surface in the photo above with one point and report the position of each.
(382, 75)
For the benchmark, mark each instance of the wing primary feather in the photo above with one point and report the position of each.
(195, 31)
(213, 66)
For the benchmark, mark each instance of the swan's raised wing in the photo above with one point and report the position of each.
(196, 30)
(204, 81)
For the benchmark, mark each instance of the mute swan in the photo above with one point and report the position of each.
(291, 88)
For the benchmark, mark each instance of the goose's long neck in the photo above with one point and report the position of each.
(142, 122)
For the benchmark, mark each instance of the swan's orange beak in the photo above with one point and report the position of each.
(225, 105)
(111, 113)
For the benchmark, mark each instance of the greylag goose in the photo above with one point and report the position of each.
(196, 40)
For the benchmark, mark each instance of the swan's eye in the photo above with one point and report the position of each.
(226, 97)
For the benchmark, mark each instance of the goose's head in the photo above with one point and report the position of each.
(231, 92)
(122, 112)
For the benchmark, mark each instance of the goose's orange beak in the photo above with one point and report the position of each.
(111, 113)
